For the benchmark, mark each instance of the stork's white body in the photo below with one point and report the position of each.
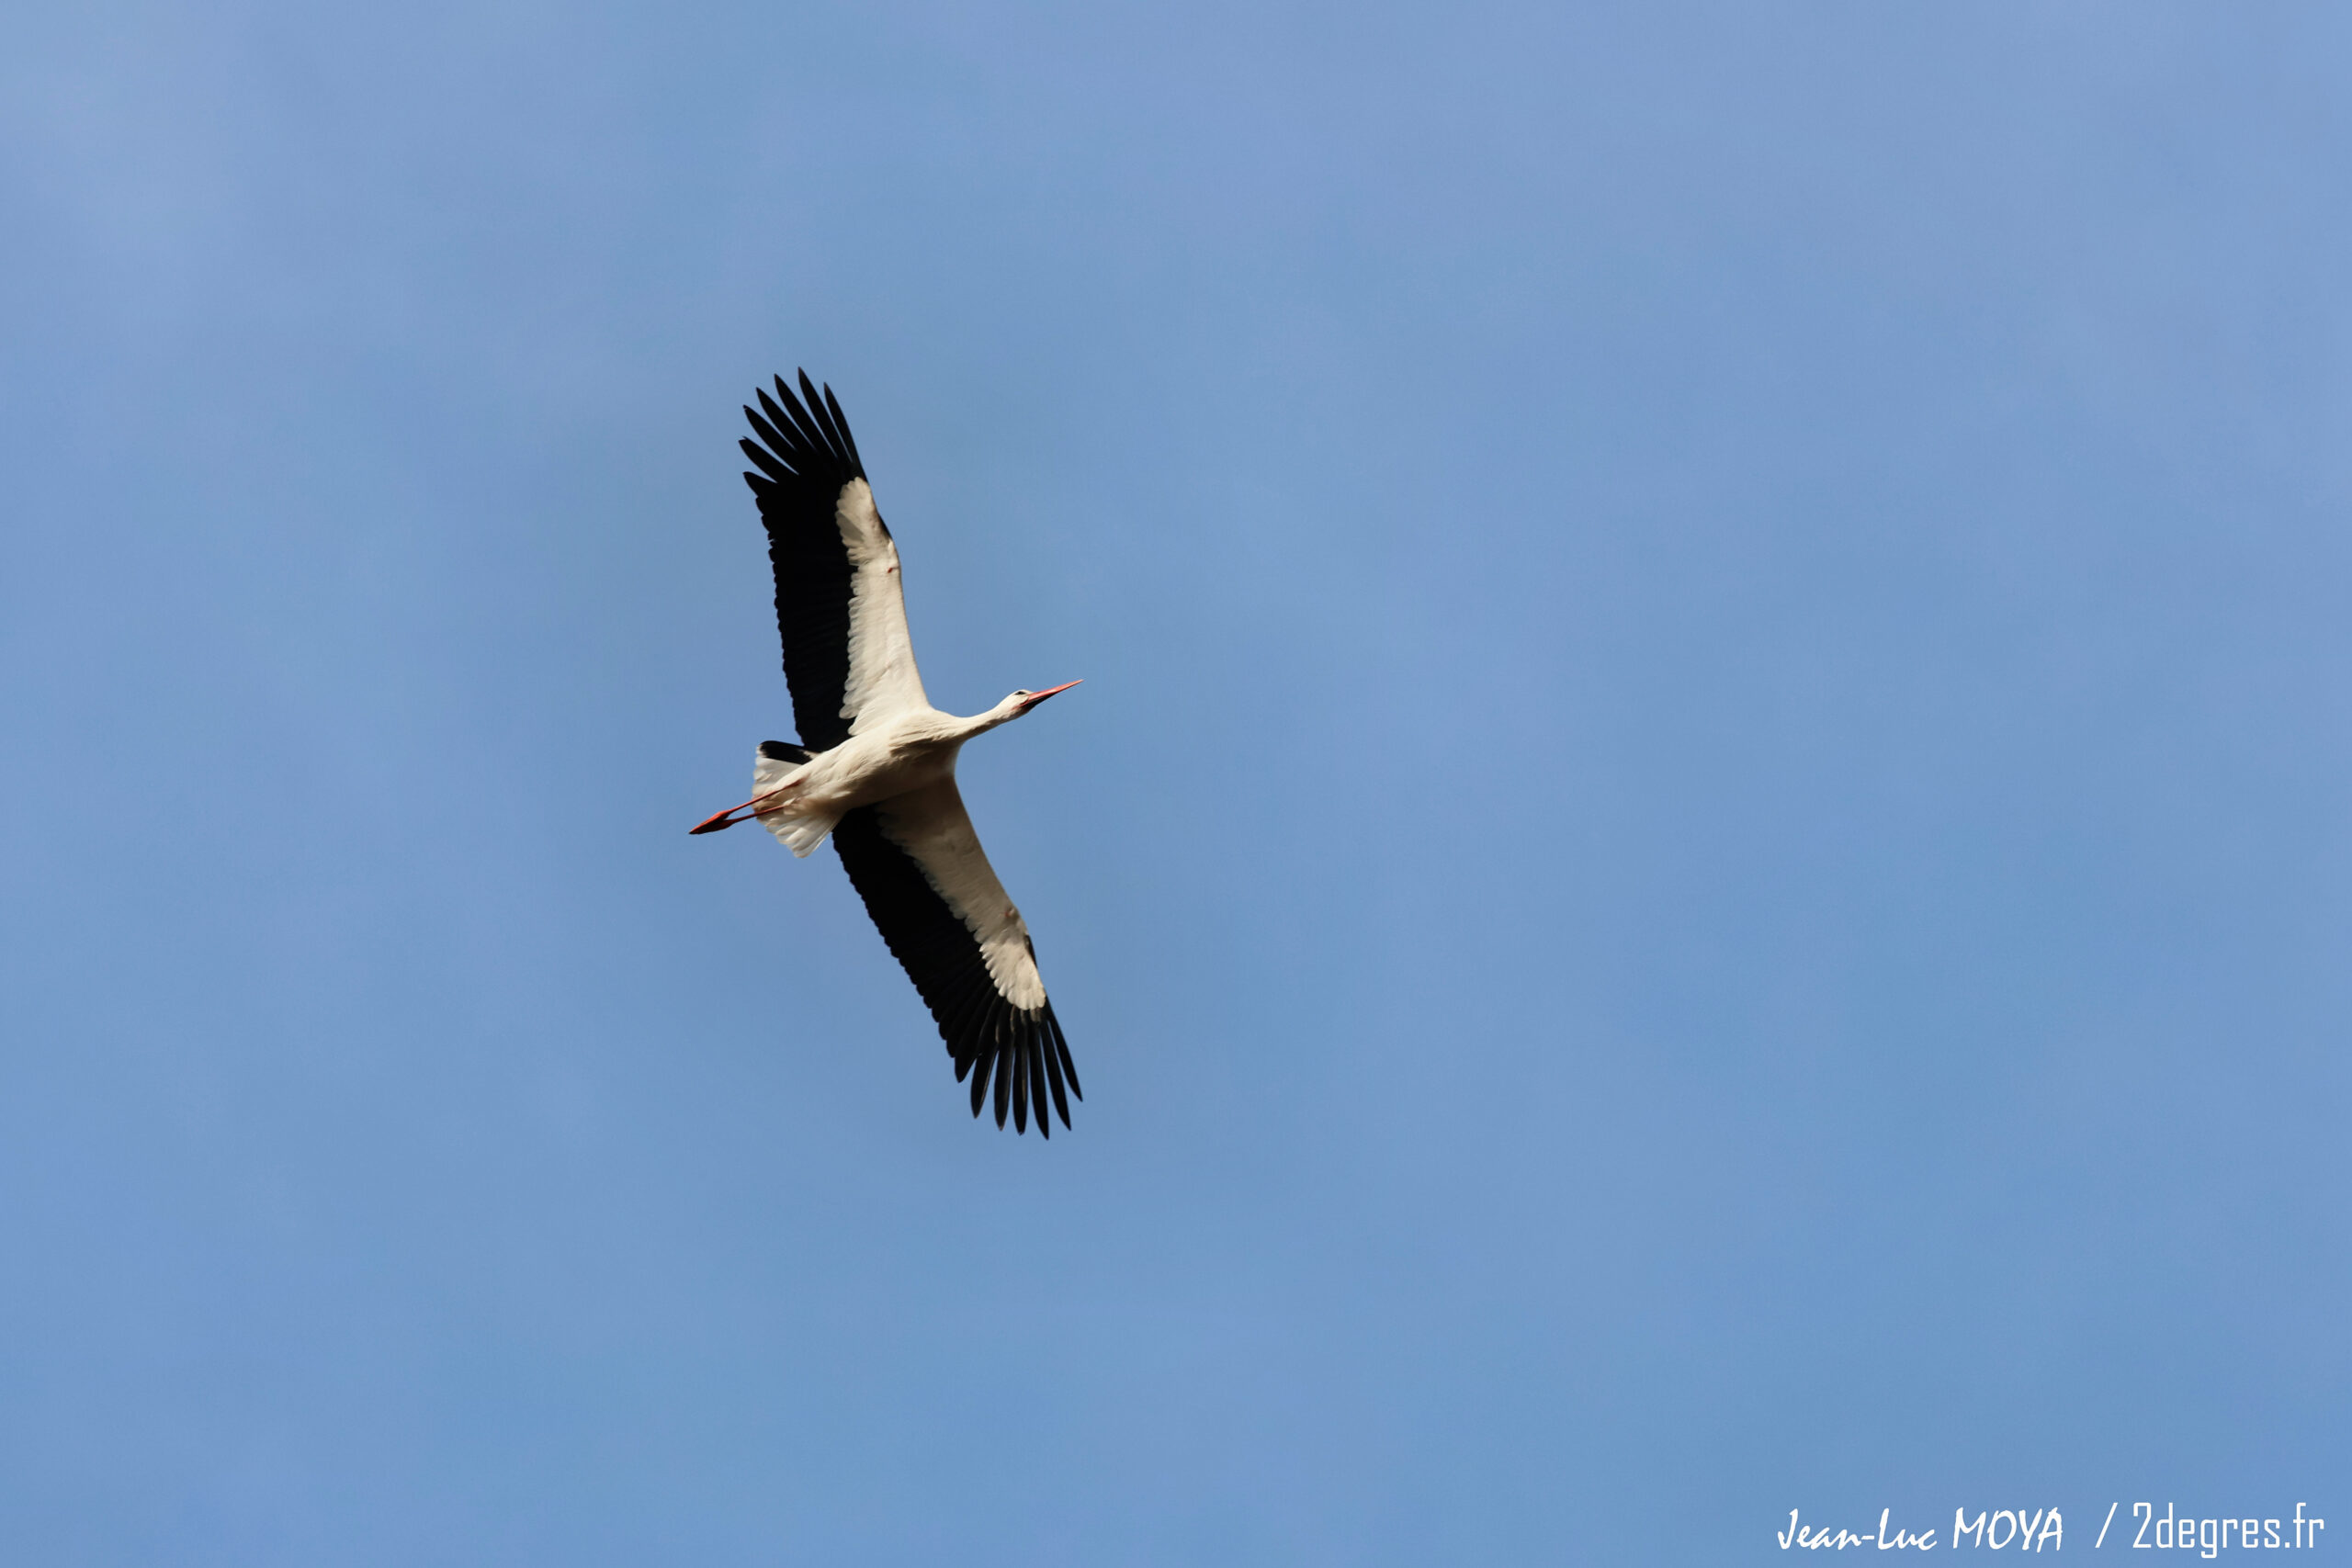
(800, 802)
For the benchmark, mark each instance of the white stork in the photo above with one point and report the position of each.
(876, 766)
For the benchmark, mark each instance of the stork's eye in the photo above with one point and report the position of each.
(1022, 692)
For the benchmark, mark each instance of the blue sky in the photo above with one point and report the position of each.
(1702, 868)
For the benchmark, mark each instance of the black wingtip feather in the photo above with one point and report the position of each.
(1061, 1049)
(773, 426)
(1020, 1083)
(780, 449)
(1003, 1067)
(841, 423)
(1037, 1079)
(979, 1067)
(800, 420)
(823, 417)
(1044, 1044)
(760, 457)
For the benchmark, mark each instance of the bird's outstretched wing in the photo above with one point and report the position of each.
(838, 602)
(918, 865)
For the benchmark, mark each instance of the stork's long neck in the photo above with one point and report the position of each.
(1004, 712)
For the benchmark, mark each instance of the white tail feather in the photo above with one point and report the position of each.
(798, 829)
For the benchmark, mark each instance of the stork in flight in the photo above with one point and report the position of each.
(876, 766)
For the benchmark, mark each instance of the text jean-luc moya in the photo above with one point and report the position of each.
(1996, 1530)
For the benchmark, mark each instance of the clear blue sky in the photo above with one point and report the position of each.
(1705, 866)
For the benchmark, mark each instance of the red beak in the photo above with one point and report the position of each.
(1036, 697)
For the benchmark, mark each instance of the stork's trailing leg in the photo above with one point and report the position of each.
(780, 771)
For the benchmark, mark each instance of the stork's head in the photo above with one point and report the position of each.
(1021, 701)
